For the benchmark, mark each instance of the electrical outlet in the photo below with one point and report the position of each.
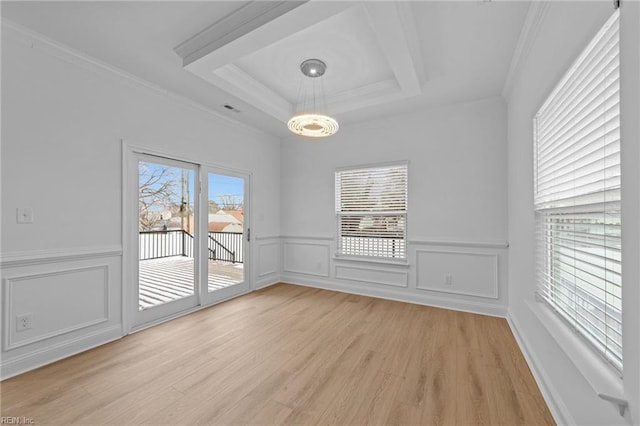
(448, 279)
(23, 322)
(24, 215)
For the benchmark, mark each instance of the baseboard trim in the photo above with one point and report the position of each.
(559, 410)
(266, 283)
(50, 354)
(398, 295)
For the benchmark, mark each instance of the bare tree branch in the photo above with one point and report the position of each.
(156, 188)
(230, 202)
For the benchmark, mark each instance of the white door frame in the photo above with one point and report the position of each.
(168, 309)
(236, 289)
(130, 231)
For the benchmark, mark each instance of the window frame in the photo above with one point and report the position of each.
(339, 254)
(546, 209)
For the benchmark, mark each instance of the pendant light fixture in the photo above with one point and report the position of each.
(310, 120)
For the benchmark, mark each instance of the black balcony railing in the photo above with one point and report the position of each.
(224, 246)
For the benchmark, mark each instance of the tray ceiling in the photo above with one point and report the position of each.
(371, 51)
(383, 57)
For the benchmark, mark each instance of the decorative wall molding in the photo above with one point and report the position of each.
(412, 241)
(325, 237)
(449, 243)
(11, 367)
(400, 295)
(63, 52)
(494, 294)
(34, 257)
(381, 276)
(532, 23)
(11, 342)
(275, 247)
(267, 237)
(398, 264)
(322, 260)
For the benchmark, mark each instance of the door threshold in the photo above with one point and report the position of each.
(176, 315)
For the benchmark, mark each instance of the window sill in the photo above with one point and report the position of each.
(386, 262)
(602, 378)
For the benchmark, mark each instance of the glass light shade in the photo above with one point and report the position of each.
(313, 125)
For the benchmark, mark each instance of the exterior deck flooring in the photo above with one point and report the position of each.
(170, 278)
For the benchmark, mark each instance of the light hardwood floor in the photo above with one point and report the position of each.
(293, 355)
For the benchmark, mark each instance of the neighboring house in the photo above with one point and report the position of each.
(225, 227)
(225, 221)
(238, 214)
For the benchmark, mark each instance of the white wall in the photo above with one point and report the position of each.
(63, 119)
(569, 375)
(457, 206)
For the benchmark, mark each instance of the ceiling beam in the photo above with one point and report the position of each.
(393, 35)
(247, 18)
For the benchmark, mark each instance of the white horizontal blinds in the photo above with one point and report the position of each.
(577, 195)
(578, 129)
(580, 274)
(371, 210)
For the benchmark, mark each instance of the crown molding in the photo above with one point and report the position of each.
(532, 23)
(68, 54)
(211, 54)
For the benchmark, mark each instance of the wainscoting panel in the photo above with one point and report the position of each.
(372, 275)
(307, 258)
(268, 261)
(459, 272)
(268, 258)
(55, 303)
(477, 269)
(70, 302)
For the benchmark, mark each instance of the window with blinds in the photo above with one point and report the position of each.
(371, 211)
(577, 196)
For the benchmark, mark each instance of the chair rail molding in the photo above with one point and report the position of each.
(454, 243)
(34, 257)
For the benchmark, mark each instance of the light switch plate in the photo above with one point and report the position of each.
(25, 215)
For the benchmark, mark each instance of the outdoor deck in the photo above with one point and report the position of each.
(169, 278)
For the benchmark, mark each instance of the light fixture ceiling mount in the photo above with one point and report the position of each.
(313, 68)
(310, 121)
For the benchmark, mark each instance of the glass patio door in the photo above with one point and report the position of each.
(226, 223)
(168, 235)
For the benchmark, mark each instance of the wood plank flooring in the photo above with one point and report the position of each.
(293, 355)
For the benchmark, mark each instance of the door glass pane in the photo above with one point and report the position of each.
(166, 233)
(225, 240)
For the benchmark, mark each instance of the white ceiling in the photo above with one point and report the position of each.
(383, 58)
(334, 41)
